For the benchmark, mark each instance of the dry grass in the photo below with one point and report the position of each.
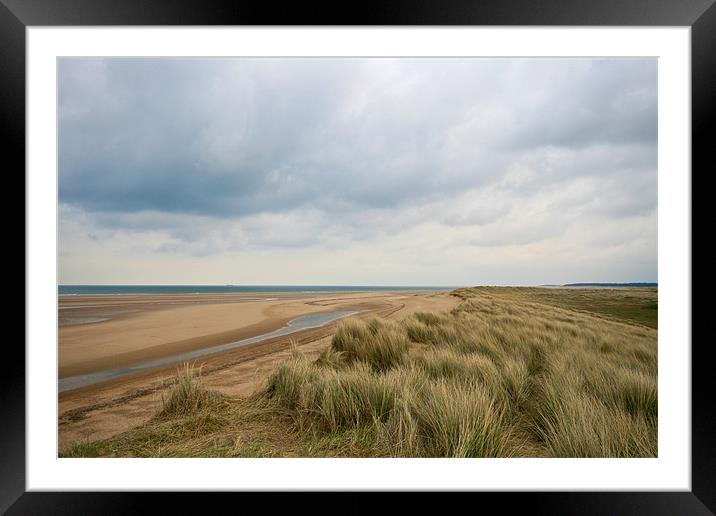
(502, 375)
(629, 304)
(188, 395)
(493, 378)
(197, 422)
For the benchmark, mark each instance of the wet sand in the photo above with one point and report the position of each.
(140, 328)
(134, 329)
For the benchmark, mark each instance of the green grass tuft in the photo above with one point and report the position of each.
(188, 395)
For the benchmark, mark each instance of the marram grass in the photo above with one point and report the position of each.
(490, 379)
(502, 375)
(188, 395)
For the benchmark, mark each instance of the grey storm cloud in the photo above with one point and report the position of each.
(231, 137)
(202, 157)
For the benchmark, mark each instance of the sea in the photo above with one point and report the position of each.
(75, 290)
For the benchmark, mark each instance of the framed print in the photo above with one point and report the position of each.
(440, 249)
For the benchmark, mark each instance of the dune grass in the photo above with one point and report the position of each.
(493, 378)
(629, 304)
(502, 375)
(188, 395)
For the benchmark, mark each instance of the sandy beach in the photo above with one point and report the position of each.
(97, 333)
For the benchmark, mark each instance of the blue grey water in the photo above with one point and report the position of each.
(299, 323)
(65, 290)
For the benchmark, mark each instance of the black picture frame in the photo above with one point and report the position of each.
(16, 15)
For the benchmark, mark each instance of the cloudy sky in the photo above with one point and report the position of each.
(357, 171)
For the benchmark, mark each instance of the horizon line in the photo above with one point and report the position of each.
(337, 284)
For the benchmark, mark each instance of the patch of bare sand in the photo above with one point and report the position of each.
(166, 329)
(437, 302)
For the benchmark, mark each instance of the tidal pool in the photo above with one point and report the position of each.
(303, 322)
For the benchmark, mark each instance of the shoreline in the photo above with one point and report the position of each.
(75, 382)
(98, 335)
(142, 328)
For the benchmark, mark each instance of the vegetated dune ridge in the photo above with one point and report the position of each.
(506, 373)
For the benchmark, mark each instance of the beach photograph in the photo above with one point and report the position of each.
(356, 257)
